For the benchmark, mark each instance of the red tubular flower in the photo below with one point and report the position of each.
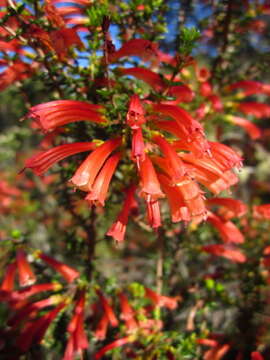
(255, 355)
(256, 109)
(261, 211)
(216, 102)
(9, 277)
(63, 39)
(217, 353)
(228, 251)
(66, 271)
(161, 300)
(107, 308)
(250, 87)
(127, 313)
(101, 328)
(150, 184)
(26, 275)
(101, 185)
(198, 147)
(138, 153)
(88, 170)
(113, 345)
(33, 332)
(148, 76)
(253, 131)
(227, 230)
(25, 293)
(32, 308)
(182, 93)
(41, 162)
(230, 207)
(118, 228)
(188, 125)
(77, 341)
(136, 47)
(206, 89)
(135, 114)
(153, 214)
(176, 164)
(57, 113)
(179, 210)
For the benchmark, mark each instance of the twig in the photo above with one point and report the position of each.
(160, 261)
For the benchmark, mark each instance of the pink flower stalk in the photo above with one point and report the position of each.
(107, 308)
(135, 114)
(144, 49)
(113, 345)
(42, 161)
(69, 273)
(138, 148)
(118, 228)
(229, 207)
(26, 275)
(57, 113)
(86, 174)
(9, 277)
(149, 181)
(228, 251)
(227, 230)
(100, 187)
(161, 300)
(151, 78)
(256, 109)
(253, 131)
(127, 313)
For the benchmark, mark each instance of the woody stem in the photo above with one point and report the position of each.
(160, 261)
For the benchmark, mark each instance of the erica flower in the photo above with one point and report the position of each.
(42, 161)
(261, 211)
(227, 230)
(88, 170)
(26, 275)
(127, 313)
(253, 131)
(118, 228)
(229, 208)
(228, 251)
(256, 109)
(77, 341)
(9, 277)
(135, 114)
(149, 182)
(161, 300)
(60, 112)
(107, 309)
(100, 187)
(66, 271)
(138, 147)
